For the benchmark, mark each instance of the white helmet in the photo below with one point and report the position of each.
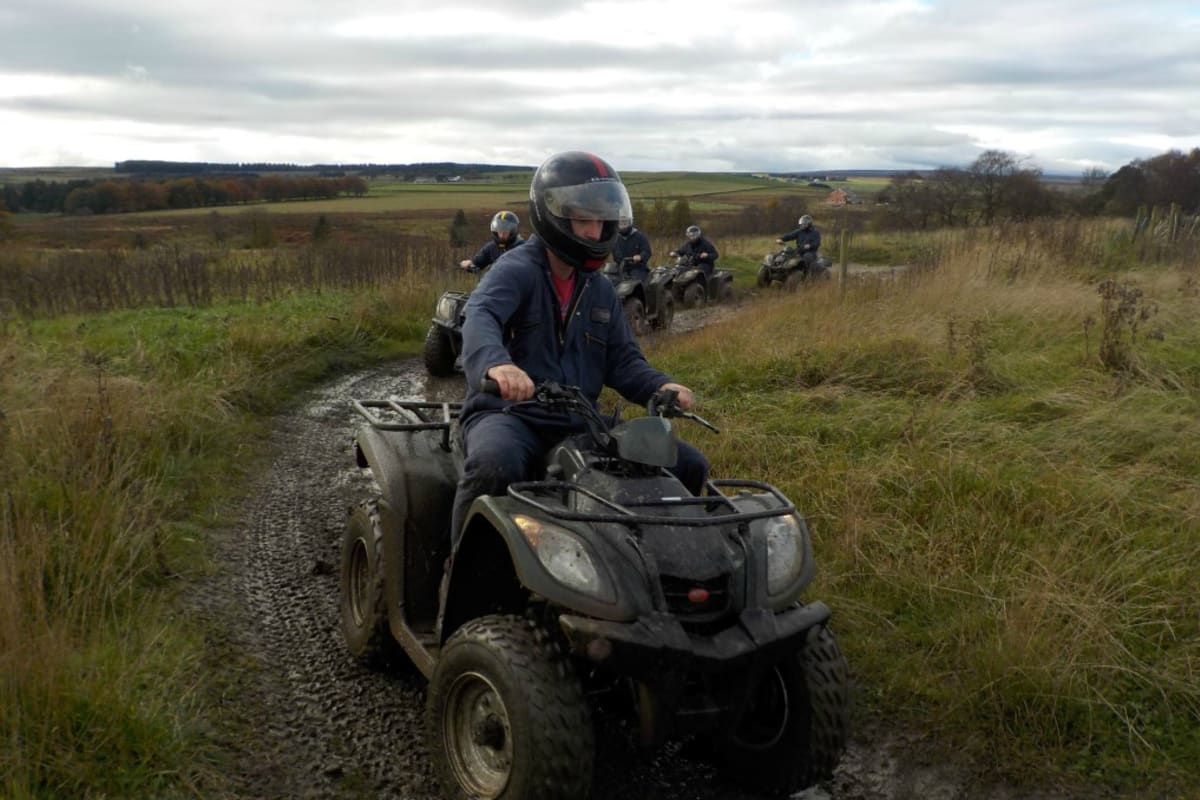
(804, 222)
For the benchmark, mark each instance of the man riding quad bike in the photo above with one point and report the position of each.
(787, 268)
(443, 342)
(646, 295)
(793, 266)
(697, 280)
(603, 580)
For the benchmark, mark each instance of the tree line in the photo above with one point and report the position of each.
(999, 187)
(117, 196)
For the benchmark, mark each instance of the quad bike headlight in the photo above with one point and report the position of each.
(565, 557)
(785, 552)
(447, 309)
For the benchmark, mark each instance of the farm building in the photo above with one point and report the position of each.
(841, 197)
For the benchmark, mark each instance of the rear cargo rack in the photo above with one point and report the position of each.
(409, 415)
(528, 493)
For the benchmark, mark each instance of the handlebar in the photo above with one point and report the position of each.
(557, 397)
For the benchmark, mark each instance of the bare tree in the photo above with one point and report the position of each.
(988, 173)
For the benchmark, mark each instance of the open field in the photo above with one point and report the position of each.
(994, 457)
(711, 191)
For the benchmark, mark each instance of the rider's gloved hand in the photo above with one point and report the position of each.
(515, 384)
(465, 264)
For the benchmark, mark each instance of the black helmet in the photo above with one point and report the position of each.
(693, 233)
(805, 222)
(581, 186)
(504, 224)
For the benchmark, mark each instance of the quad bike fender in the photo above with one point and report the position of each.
(490, 534)
(417, 480)
(631, 288)
(657, 643)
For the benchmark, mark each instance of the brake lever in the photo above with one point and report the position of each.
(699, 420)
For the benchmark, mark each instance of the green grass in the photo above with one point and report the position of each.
(122, 438)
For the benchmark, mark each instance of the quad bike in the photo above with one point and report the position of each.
(604, 584)
(649, 304)
(787, 268)
(693, 288)
(443, 342)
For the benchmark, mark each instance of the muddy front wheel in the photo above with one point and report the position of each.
(635, 312)
(693, 296)
(506, 715)
(794, 730)
(666, 312)
(764, 277)
(439, 352)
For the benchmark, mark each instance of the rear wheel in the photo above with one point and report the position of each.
(361, 596)
(693, 296)
(725, 293)
(635, 312)
(439, 352)
(506, 715)
(794, 730)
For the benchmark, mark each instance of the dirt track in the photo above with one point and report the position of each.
(299, 718)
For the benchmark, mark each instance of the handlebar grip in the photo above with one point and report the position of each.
(489, 386)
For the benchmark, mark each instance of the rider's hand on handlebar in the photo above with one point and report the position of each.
(684, 395)
(515, 384)
(465, 263)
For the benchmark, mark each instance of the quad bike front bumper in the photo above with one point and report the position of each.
(657, 644)
(689, 682)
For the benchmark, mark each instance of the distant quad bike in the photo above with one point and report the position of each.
(785, 268)
(443, 342)
(650, 304)
(606, 582)
(693, 288)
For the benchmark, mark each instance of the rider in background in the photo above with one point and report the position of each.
(807, 239)
(504, 238)
(631, 251)
(703, 252)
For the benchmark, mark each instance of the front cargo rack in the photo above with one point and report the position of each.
(528, 492)
(409, 415)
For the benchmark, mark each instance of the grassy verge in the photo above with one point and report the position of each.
(1007, 524)
(121, 436)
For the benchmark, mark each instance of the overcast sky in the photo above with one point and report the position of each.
(727, 85)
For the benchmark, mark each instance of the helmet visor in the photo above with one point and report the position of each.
(604, 200)
(504, 226)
